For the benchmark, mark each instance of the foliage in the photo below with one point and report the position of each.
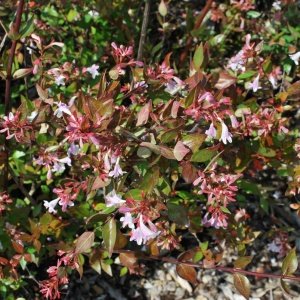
(105, 152)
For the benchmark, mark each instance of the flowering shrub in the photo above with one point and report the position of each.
(129, 155)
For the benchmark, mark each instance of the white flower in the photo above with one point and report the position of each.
(93, 70)
(60, 80)
(211, 131)
(112, 199)
(50, 205)
(226, 135)
(254, 85)
(62, 108)
(73, 149)
(295, 57)
(127, 220)
(31, 117)
(117, 171)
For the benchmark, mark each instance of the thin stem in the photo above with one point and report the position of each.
(197, 25)
(7, 100)
(200, 265)
(144, 30)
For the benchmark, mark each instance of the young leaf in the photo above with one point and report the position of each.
(198, 57)
(109, 235)
(84, 242)
(162, 8)
(290, 263)
(242, 284)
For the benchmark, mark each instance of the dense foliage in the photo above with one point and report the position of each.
(180, 154)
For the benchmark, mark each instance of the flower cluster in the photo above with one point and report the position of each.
(221, 190)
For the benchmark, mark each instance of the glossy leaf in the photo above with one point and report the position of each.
(242, 284)
(109, 234)
(84, 242)
(290, 263)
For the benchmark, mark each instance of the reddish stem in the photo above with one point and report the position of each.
(7, 99)
(200, 265)
(197, 25)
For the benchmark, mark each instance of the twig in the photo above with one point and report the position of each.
(16, 27)
(21, 186)
(144, 30)
(171, 260)
(197, 25)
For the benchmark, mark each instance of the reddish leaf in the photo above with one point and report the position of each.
(225, 80)
(18, 247)
(164, 151)
(242, 284)
(186, 272)
(84, 242)
(189, 172)
(143, 114)
(180, 151)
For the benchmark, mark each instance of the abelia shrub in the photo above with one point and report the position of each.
(139, 156)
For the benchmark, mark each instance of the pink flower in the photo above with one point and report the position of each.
(211, 132)
(112, 199)
(218, 219)
(226, 135)
(127, 220)
(142, 233)
(234, 122)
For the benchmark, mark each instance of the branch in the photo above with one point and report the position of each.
(15, 27)
(144, 30)
(21, 186)
(197, 25)
(175, 261)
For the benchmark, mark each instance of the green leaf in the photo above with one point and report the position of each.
(267, 152)
(28, 29)
(242, 262)
(253, 14)
(84, 242)
(177, 213)
(247, 74)
(150, 180)
(290, 263)
(194, 140)
(109, 234)
(135, 194)
(198, 57)
(242, 284)
(203, 155)
(72, 14)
